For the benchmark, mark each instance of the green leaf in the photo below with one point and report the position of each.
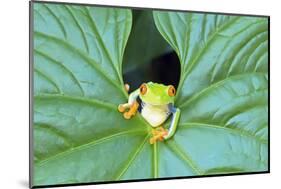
(79, 136)
(223, 90)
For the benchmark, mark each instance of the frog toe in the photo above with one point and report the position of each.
(127, 115)
(121, 108)
(152, 140)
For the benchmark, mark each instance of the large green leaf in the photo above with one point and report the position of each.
(223, 90)
(79, 136)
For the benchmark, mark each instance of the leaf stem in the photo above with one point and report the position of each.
(155, 160)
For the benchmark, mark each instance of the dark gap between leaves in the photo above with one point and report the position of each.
(164, 69)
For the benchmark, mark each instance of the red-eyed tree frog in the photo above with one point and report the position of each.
(155, 102)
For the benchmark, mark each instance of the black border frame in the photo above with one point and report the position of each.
(31, 61)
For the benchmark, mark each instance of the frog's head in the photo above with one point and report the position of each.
(157, 94)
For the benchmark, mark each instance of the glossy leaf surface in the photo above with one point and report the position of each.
(79, 136)
(223, 91)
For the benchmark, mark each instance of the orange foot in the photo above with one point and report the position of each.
(158, 134)
(132, 109)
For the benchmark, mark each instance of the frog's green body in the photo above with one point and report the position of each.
(157, 104)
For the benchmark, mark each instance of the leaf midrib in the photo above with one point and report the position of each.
(155, 164)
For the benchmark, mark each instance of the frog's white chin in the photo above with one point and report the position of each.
(153, 120)
(155, 115)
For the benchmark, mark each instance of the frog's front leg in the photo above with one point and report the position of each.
(174, 122)
(132, 105)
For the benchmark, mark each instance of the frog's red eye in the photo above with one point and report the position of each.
(143, 89)
(171, 91)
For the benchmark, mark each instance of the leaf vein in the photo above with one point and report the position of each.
(48, 79)
(57, 20)
(203, 49)
(63, 67)
(87, 145)
(229, 129)
(217, 84)
(88, 60)
(102, 43)
(185, 156)
(130, 160)
(76, 98)
(68, 8)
